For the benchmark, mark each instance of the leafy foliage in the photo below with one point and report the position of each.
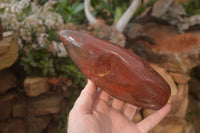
(110, 10)
(71, 13)
(41, 62)
(192, 7)
(37, 28)
(143, 7)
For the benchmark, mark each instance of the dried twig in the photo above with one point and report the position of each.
(123, 21)
(91, 19)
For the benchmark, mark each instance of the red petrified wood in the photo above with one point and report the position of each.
(116, 70)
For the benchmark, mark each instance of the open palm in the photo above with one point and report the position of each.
(93, 112)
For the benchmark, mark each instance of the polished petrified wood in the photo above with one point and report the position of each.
(116, 70)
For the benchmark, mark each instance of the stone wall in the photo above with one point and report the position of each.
(34, 108)
(31, 107)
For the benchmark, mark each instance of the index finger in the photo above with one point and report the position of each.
(85, 101)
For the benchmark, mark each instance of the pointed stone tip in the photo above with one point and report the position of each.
(72, 37)
(64, 33)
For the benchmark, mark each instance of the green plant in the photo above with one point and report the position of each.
(110, 10)
(71, 13)
(41, 62)
(143, 7)
(65, 66)
(40, 51)
(192, 7)
(36, 62)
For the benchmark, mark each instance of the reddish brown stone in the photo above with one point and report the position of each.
(180, 78)
(170, 125)
(13, 126)
(137, 118)
(175, 52)
(179, 102)
(7, 81)
(147, 112)
(42, 122)
(116, 70)
(19, 110)
(6, 103)
(9, 57)
(35, 86)
(51, 105)
(5, 110)
(183, 42)
(43, 106)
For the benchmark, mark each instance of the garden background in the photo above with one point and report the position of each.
(39, 83)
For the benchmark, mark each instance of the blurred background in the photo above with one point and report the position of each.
(39, 83)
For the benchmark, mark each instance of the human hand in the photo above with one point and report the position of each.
(93, 113)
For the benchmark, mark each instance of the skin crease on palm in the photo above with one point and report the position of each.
(93, 112)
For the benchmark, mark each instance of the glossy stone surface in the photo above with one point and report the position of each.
(116, 70)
